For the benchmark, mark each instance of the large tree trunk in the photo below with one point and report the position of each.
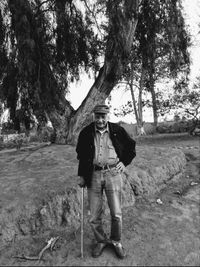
(122, 25)
(60, 121)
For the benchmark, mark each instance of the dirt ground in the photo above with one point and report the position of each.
(163, 230)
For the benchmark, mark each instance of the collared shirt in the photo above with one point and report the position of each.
(104, 149)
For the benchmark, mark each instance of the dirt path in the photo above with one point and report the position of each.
(166, 234)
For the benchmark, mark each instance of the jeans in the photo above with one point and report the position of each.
(109, 181)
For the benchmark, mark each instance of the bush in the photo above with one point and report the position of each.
(8, 128)
(163, 128)
(149, 128)
(46, 134)
(34, 138)
(174, 126)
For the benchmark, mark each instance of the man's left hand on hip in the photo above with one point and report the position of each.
(120, 167)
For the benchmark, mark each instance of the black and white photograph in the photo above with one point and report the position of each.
(100, 133)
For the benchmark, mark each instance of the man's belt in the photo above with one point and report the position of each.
(105, 167)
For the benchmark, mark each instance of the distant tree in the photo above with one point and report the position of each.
(184, 102)
(160, 51)
(165, 49)
(189, 104)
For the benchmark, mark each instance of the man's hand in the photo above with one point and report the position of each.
(81, 181)
(120, 167)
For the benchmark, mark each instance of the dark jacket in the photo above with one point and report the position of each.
(124, 146)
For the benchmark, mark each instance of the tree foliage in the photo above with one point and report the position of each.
(48, 43)
(184, 103)
(163, 39)
(160, 50)
(187, 101)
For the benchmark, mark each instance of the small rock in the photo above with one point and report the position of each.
(193, 183)
(159, 201)
(177, 192)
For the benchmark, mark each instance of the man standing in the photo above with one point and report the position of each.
(103, 150)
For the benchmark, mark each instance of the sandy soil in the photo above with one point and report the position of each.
(166, 234)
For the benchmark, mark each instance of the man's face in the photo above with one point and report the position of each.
(100, 120)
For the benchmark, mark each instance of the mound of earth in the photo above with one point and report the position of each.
(39, 189)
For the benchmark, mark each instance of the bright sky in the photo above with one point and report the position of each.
(79, 91)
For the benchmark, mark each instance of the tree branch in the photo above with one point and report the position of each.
(93, 15)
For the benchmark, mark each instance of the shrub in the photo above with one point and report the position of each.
(34, 138)
(46, 134)
(174, 126)
(8, 128)
(149, 128)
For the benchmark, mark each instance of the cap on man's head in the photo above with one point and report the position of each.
(101, 109)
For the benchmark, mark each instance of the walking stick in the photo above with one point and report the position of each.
(82, 220)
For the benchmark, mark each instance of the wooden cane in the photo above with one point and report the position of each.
(82, 220)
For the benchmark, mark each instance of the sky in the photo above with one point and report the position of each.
(78, 91)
